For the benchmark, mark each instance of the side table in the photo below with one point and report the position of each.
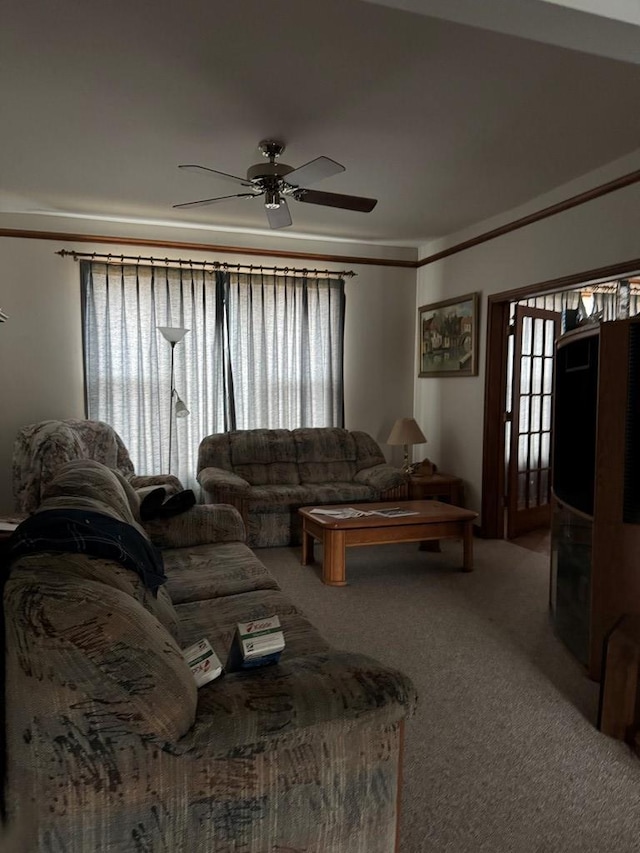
(443, 487)
(437, 486)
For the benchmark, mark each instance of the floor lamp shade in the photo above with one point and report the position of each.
(406, 431)
(174, 334)
(181, 409)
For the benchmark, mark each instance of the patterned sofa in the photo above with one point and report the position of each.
(111, 747)
(267, 474)
(41, 448)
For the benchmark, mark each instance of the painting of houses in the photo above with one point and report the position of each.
(448, 337)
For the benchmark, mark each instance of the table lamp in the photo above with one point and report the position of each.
(406, 431)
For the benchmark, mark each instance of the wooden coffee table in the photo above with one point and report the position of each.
(432, 520)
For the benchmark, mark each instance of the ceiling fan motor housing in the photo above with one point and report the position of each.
(268, 170)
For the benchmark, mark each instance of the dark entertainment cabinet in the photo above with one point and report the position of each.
(595, 538)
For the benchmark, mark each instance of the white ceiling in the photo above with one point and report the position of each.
(446, 123)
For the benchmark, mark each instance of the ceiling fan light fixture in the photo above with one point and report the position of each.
(272, 200)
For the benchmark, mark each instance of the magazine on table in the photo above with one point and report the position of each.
(353, 512)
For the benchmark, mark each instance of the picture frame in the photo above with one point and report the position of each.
(448, 337)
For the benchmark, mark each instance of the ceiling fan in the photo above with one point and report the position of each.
(276, 182)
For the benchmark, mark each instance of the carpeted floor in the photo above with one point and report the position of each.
(502, 754)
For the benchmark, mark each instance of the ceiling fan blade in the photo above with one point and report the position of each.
(192, 168)
(279, 217)
(203, 202)
(314, 170)
(347, 202)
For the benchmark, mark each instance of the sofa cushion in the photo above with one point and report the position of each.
(217, 619)
(325, 455)
(326, 472)
(277, 498)
(330, 444)
(368, 451)
(109, 572)
(264, 456)
(274, 498)
(200, 525)
(39, 451)
(215, 452)
(87, 484)
(250, 446)
(380, 478)
(208, 571)
(106, 646)
(259, 474)
(300, 694)
(102, 443)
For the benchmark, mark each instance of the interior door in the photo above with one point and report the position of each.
(529, 420)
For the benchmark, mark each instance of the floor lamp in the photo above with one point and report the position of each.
(174, 334)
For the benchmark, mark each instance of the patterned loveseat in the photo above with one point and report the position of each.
(269, 473)
(41, 448)
(111, 747)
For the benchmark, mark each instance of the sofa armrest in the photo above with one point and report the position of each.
(203, 524)
(217, 481)
(294, 695)
(171, 484)
(381, 477)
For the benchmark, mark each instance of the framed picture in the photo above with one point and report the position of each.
(448, 337)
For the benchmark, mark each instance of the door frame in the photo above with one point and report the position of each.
(493, 450)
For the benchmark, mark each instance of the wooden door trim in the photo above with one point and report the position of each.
(511, 479)
(493, 472)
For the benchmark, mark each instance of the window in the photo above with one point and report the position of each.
(263, 350)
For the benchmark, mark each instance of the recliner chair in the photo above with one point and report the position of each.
(40, 449)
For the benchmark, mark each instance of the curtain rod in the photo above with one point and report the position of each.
(217, 265)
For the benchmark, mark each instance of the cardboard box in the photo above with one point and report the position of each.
(204, 662)
(256, 643)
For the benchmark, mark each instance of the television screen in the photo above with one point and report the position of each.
(574, 428)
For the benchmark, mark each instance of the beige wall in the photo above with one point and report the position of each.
(596, 234)
(41, 370)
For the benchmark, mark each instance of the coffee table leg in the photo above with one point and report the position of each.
(333, 564)
(307, 547)
(467, 565)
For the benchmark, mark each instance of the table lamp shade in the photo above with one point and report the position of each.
(406, 431)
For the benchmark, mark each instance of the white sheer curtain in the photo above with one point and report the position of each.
(262, 351)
